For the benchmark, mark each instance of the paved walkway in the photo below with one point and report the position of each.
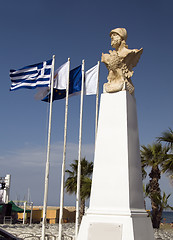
(34, 231)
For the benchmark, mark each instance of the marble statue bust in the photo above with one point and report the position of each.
(120, 62)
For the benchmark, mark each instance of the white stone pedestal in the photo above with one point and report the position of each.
(116, 210)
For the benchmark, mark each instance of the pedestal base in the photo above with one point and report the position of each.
(112, 227)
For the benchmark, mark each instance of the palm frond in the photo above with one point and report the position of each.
(164, 201)
(86, 172)
(167, 137)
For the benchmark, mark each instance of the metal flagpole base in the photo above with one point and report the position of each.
(116, 210)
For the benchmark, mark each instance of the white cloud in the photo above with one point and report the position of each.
(36, 155)
(27, 169)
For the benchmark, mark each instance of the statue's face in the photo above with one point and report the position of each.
(115, 40)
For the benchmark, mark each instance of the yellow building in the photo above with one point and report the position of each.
(52, 215)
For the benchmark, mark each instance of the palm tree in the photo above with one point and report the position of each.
(154, 156)
(85, 188)
(146, 192)
(167, 166)
(167, 138)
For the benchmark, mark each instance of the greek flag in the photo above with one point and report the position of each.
(36, 75)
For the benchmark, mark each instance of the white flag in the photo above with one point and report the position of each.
(61, 76)
(91, 80)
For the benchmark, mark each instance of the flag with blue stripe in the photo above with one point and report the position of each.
(32, 76)
(75, 83)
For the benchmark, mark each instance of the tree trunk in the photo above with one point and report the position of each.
(82, 210)
(156, 217)
(155, 196)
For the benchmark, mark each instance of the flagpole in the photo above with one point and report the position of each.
(48, 154)
(97, 103)
(79, 156)
(64, 157)
(24, 211)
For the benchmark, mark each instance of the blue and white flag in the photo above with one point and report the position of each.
(37, 75)
(91, 80)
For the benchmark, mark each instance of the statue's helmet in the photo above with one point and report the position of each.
(121, 32)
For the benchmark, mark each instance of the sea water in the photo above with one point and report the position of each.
(167, 217)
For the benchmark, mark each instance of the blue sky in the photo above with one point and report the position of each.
(32, 31)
